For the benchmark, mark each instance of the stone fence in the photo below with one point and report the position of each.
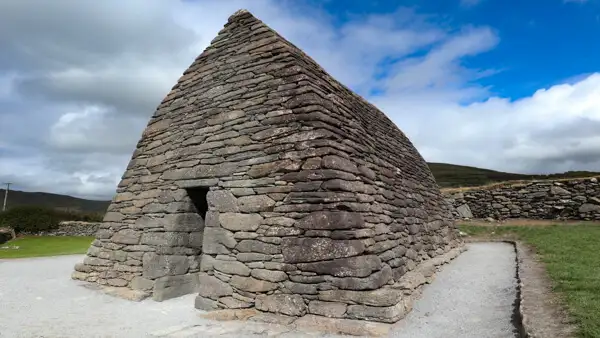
(573, 199)
(70, 228)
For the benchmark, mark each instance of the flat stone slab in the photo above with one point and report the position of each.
(471, 297)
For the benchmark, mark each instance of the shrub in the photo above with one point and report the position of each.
(76, 215)
(30, 219)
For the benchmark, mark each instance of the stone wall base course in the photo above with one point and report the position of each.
(386, 305)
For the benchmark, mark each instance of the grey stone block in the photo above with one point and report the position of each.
(174, 286)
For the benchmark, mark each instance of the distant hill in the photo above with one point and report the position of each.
(18, 198)
(452, 175)
(447, 176)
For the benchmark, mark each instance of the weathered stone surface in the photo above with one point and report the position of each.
(351, 186)
(331, 220)
(206, 304)
(245, 235)
(589, 208)
(82, 268)
(271, 318)
(233, 303)
(310, 289)
(350, 234)
(251, 284)
(249, 245)
(212, 287)
(380, 297)
(232, 267)
(269, 275)
(255, 203)
(351, 327)
(280, 221)
(141, 283)
(388, 314)
(291, 305)
(359, 266)
(113, 217)
(252, 257)
(165, 238)
(282, 231)
(116, 282)
(327, 309)
(207, 263)
(464, 211)
(242, 191)
(196, 239)
(374, 281)
(78, 275)
(555, 190)
(411, 280)
(240, 222)
(296, 250)
(339, 163)
(174, 286)
(218, 241)
(265, 169)
(222, 201)
(155, 266)
(126, 236)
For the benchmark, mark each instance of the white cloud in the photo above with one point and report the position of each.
(94, 129)
(71, 116)
(553, 130)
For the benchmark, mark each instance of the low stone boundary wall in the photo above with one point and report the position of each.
(70, 228)
(574, 199)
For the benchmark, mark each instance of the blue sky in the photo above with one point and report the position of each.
(543, 42)
(500, 84)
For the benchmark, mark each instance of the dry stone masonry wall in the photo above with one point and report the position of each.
(262, 182)
(575, 199)
(70, 228)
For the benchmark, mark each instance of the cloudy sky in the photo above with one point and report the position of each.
(509, 85)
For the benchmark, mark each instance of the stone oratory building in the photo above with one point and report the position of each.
(261, 181)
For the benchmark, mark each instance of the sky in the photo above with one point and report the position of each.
(509, 85)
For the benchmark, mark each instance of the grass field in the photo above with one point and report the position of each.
(40, 246)
(572, 258)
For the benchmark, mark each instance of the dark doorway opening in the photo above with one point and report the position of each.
(198, 197)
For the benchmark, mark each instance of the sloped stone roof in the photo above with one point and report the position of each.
(262, 181)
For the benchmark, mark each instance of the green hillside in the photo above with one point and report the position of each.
(18, 198)
(447, 176)
(452, 175)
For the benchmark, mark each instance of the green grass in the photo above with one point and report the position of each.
(571, 254)
(40, 246)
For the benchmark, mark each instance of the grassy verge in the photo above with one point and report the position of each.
(572, 258)
(40, 246)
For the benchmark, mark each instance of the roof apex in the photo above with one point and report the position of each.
(239, 13)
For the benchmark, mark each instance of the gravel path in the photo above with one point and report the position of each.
(471, 297)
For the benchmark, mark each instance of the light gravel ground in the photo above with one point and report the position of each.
(472, 297)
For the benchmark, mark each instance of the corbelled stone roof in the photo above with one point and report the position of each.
(262, 181)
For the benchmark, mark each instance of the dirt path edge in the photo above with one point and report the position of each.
(542, 313)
